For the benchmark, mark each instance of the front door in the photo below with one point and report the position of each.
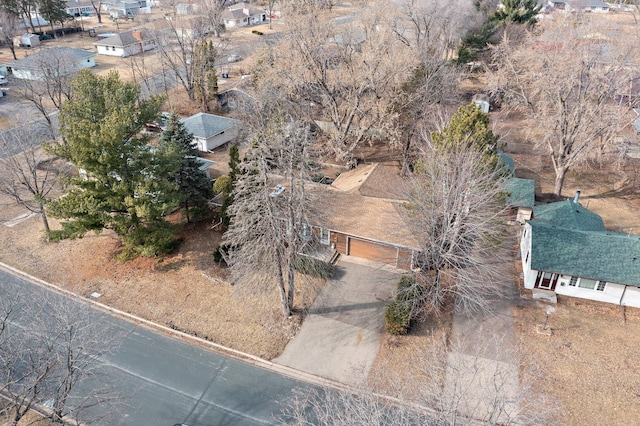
(546, 280)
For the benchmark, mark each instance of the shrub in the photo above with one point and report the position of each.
(397, 317)
(223, 184)
(314, 267)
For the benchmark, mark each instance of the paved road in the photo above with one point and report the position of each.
(166, 381)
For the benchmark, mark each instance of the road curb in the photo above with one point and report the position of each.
(233, 353)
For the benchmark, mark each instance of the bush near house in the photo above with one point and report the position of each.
(397, 317)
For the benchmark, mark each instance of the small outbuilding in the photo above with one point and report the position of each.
(211, 131)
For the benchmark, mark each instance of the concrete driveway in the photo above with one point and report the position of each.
(341, 336)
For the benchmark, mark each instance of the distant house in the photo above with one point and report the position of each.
(596, 6)
(566, 250)
(50, 62)
(128, 43)
(76, 8)
(211, 131)
(122, 8)
(243, 14)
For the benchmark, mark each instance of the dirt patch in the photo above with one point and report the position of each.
(586, 364)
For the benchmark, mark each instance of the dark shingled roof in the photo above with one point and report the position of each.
(567, 214)
(522, 192)
(599, 255)
(204, 125)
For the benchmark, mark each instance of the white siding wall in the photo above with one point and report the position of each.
(525, 252)
(217, 140)
(611, 294)
(631, 297)
(108, 50)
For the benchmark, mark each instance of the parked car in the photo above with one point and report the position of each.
(234, 58)
(159, 124)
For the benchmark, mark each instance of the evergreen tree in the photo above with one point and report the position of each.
(122, 184)
(53, 11)
(193, 186)
(518, 12)
(205, 80)
(469, 127)
(227, 191)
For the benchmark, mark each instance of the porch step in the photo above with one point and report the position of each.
(334, 258)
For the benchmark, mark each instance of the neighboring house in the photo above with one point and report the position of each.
(205, 165)
(566, 250)
(211, 131)
(243, 14)
(597, 6)
(128, 43)
(121, 8)
(53, 61)
(362, 216)
(76, 8)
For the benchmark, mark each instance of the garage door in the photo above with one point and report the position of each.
(372, 251)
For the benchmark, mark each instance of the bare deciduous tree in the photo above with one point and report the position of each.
(565, 80)
(456, 209)
(25, 173)
(9, 23)
(339, 75)
(179, 49)
(213, 11)
(269, 216)
(47, 363)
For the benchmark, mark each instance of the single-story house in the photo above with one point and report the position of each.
(76, 8)
(567, 250)
(47, 62)
(597, 6)
(121, 8)
(362, 216)
(211, 131)
(242, 14)
(128, 43)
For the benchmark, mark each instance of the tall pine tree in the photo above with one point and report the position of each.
(122, 184)
(193, 186)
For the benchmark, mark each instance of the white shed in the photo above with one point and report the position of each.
(211, 131)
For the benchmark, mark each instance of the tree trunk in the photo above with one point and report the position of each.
(13, 51)
(284, 303)
(45, 222)
(405, 156)
(561, 172)
(99, 15)
(291, 278)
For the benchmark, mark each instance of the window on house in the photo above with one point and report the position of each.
(573, 281)
(591, 284)
(324, 236)
(113, 48)
(587, 283)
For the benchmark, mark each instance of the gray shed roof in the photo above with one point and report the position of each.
(607, 256)
(203, 125)
(36, 60)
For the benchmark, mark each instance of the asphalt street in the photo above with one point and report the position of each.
(164, 381)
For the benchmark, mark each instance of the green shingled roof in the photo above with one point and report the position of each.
(567, 214)
(506, 161)
(607, 256)
(522, 192)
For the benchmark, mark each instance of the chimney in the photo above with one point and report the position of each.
(577, 197)
(137, 34)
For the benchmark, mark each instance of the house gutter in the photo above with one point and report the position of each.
(623, 293)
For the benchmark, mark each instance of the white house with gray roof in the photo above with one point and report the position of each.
(596, 6)
(49, 62)
(128, 43)
(566, 250)
(211, 131)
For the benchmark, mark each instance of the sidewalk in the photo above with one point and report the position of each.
(482, 367)
(341, 336)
